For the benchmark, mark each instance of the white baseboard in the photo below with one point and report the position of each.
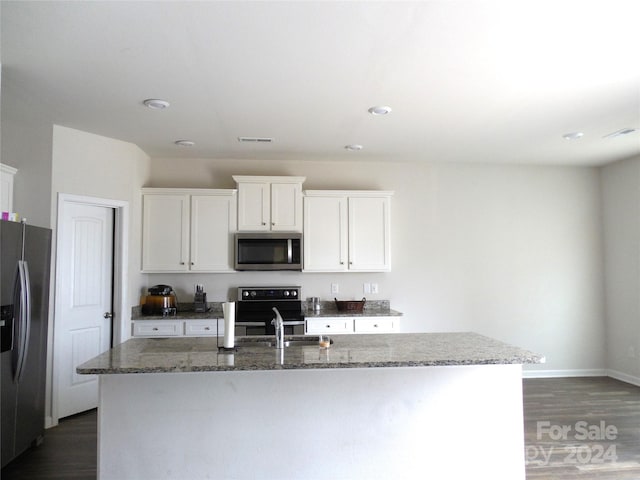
(48, 422)
(564, 373)
(623, 377)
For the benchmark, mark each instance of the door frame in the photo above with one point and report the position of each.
(120, 269)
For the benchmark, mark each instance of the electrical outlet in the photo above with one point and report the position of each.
(334, 288)
(374, 288)
(366, 288)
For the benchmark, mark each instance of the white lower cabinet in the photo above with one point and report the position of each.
(209, 327)
(160, 328)
(203, 328)
(329, 325)
(375, 325)
(348, 325)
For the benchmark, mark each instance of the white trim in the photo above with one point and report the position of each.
(120, 278)
(8, 169)
(564, 373)
(624, 377)
(348, 193)
(189, 191)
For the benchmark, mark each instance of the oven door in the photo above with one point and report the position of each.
(254, 317)
(247, 328)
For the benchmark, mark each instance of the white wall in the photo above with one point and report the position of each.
(96, 166)
(26, 145)
(513, 252)
(621, 208)
(91, 165)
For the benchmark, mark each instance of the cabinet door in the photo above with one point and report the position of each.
(286, 207)
(204, 328)
(375, 324)
(329, 325)
(161, 328)
(253, 206)
(165, 233)
(213, 221)
(369, 234)
(325, 234)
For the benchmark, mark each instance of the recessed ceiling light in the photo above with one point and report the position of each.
(617, 133)
(185, 143)
(379, 110)
(156, 104)
(353, 147)
(573, 135)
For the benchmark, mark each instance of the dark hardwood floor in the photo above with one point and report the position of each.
(558, 413)
(69, 452)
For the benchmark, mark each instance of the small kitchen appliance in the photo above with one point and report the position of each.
(268, 251)
(161, 300)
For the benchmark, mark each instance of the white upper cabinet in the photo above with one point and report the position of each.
(347, 231)
(188, 230)
(6, 187)
(269, 203)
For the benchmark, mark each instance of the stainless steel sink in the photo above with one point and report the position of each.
(269, 341)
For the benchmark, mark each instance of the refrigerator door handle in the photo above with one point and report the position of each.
(21, 350)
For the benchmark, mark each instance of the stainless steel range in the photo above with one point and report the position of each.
(254, 310)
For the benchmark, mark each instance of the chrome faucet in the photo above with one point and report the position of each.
(279, 324)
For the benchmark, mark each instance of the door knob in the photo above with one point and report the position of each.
(108, 315)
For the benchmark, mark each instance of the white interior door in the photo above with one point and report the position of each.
(84, 301)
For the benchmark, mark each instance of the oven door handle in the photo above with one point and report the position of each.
(250, 324)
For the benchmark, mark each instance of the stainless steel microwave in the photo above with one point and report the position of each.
(268, 251)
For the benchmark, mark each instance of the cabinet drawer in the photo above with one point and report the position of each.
(375, 325)
(330, 325)
(202, 328)
(165, 328)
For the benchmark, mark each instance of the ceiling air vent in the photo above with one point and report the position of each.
(255, 139)
(618, 133)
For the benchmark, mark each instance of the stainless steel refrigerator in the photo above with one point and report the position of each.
(24, 268)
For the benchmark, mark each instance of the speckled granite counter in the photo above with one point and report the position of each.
(185, 312)
(372, 308)
(164, 355)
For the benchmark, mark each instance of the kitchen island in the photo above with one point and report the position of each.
(441, 405)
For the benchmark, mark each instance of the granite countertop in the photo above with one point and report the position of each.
(201, 354)
(372, 308)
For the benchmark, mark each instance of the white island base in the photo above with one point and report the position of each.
(449, 422)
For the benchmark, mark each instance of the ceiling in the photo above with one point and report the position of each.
(472, 81)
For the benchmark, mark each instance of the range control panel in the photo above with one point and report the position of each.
(268, 293)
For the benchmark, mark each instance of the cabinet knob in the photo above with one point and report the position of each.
(192, 263)
(327, 326)
(341, 263)
(207, 328)
(155, 329)
(375, 325)
(181, 263)
(264, 223)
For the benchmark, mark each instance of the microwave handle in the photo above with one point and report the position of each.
(289, 251)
